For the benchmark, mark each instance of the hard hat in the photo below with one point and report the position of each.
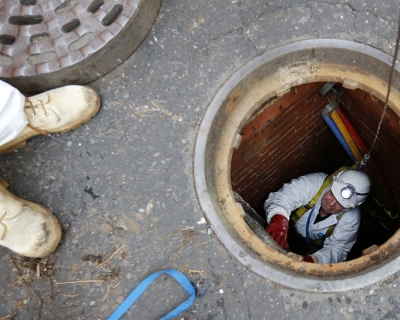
(350, 188)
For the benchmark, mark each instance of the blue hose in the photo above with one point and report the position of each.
(339, 136)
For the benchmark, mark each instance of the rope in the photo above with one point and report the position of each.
(389, 86)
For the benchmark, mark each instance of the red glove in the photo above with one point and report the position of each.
(278, 229)
(308, 259)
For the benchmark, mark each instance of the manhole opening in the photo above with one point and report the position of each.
(288, 138)
(257, 134)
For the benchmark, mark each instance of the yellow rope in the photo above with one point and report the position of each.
(346, 135)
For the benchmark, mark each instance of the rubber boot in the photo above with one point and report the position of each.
(57, 110)
(27, 228)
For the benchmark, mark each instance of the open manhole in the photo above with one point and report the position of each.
(264, 128)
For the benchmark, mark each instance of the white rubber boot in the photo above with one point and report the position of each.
(58, 110)
(27, 228)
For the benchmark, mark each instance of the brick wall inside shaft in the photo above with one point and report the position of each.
(289, 138)
(283, 141)
(365, 111)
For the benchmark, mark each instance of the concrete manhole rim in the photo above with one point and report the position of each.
(237, 247)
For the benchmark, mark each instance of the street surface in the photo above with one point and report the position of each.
(124, 181)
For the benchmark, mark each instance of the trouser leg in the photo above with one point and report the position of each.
(12, 116)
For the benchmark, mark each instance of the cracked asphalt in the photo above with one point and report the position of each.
(124, 181)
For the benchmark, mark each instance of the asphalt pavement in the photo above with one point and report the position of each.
(122, 185)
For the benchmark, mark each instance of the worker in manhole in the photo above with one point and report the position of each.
(323, 213)
(28, 228)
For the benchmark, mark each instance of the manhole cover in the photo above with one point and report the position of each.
(44, 44)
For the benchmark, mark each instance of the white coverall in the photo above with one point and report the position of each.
(298, 193)
(12, 115)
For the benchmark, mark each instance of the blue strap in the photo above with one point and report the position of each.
(308, 225)
(135, 294)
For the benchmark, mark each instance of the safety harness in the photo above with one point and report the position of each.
(302, 210)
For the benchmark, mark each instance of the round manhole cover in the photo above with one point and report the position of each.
(264, 127)
(44, 44)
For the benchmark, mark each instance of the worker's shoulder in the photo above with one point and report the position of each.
(317, 177)
(310, 183)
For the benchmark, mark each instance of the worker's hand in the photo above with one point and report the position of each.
(308, 259)
(278, 230)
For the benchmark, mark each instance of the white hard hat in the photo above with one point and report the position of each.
(351, 188)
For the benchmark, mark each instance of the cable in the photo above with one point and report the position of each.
(389, 86)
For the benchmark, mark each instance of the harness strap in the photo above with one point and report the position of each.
(302, 210)
(308, 227)
(329, 232)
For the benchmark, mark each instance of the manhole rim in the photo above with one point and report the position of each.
(237, 249)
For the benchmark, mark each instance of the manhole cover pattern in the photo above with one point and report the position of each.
(41, 36)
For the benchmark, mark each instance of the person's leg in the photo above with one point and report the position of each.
(12, 116)
(58, 110)
(27, 228)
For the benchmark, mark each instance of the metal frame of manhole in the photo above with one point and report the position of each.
(46, 44)
(266, 77)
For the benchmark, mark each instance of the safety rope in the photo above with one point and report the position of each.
(389, 87)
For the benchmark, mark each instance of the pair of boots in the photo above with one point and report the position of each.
(27, 228)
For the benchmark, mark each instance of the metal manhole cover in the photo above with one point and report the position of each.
(39, 37)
